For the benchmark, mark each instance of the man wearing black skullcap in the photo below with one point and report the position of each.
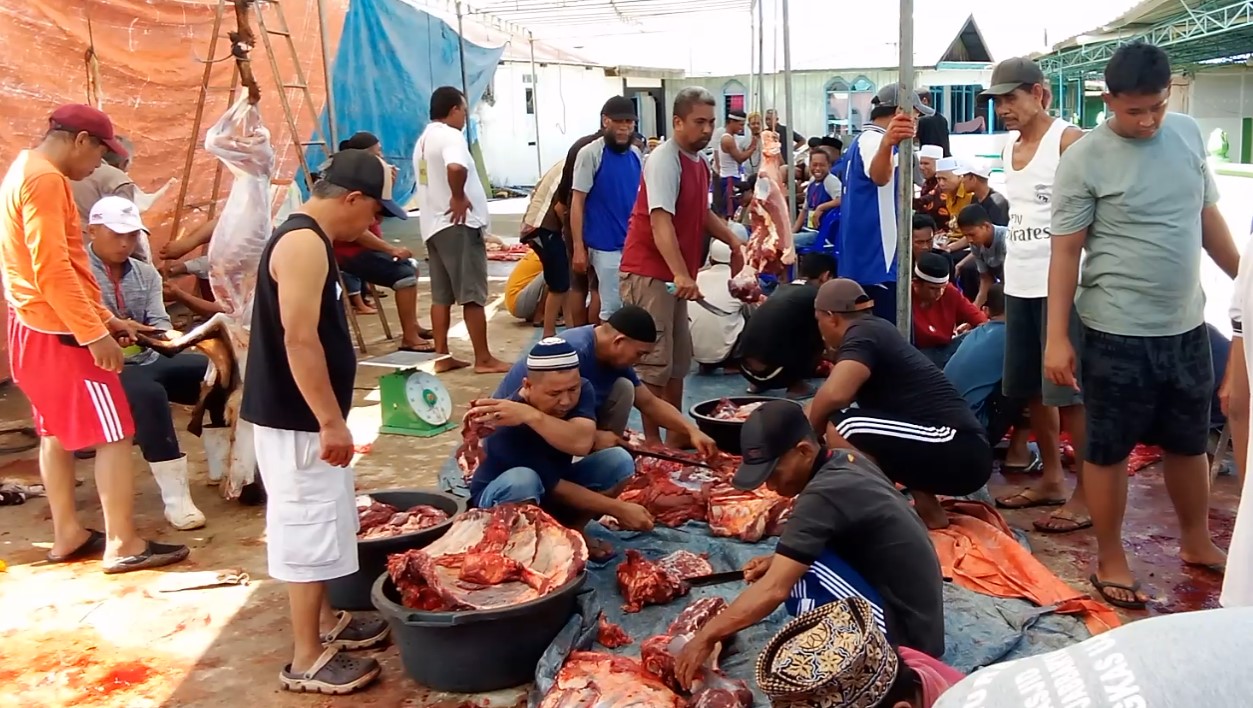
(940, 309)
(608, 353)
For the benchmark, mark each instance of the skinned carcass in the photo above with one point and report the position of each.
(597, 680)
(379, 520)
(242, 143)
(470, 453)
(747, 515)
(770, 248)
(489, 558)
(644, 582)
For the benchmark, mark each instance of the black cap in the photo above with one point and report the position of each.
(1012, 73)
(770, 431)
(634, 322)
(619, 108)
(360, 140)
(359, 171)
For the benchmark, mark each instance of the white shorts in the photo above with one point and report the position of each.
(311, 515)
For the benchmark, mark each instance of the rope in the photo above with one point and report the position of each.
(92, 67)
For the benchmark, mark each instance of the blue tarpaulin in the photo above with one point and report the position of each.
(392, 56)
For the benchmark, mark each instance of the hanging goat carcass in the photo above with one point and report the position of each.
(770, 248)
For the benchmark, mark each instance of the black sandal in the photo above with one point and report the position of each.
(155, 555)
(1134, 588)
(92, 548)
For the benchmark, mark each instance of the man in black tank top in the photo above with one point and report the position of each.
(301, 367)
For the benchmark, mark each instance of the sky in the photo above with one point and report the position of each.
(823, 34)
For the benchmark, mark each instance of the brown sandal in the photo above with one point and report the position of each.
(352, 633)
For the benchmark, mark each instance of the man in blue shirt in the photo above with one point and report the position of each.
(538, 431)
(867, 235)
(607, 352)
(977, 366)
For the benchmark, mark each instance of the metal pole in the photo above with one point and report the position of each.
(539, 160)
(761, 58)
(905, 181)
(326, 72)
(461, 55)
(787, 100)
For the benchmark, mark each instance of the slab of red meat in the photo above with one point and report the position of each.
(671, 492)
(490, 558)
(749, 516)
(610, 635)
(379, 520)
(597, 680)
(770, 248)
(712, 689)
(470, 453)
(696, 615)
(715, 689)
(372, 514)
(658, 659)
(644, 582)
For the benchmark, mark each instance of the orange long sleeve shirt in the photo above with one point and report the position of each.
(47, 276)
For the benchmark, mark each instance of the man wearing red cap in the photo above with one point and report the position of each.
(63, 342)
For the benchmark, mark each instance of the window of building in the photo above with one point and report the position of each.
(733, 98)
(965, 105)
(848, 105)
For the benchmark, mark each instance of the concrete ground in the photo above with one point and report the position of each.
(72, 636)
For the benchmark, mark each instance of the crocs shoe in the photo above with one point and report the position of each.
(353, 633)
(333, 674)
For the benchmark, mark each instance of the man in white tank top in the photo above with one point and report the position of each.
(1021, 97)
(731, 150)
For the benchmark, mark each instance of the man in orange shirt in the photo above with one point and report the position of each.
(63, 342)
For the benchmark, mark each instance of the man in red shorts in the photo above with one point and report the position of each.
(63, 342)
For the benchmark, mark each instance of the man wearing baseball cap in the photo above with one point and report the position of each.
(301, 368)
(133, 291)
(909, 419)
(867, 233)
(730, 151)
(1021, 98)
(63, 342)
(601, 190)
(850, 534)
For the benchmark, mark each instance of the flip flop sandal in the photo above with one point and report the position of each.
(1076, 524)
(424, 348)
(1134, 588)
(425, 333)
(1030, 503)
(92, 548)
(333, 674)
(155, 555)
(353, 633)
(1035, 465)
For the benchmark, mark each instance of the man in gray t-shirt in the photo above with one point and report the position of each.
(1182, 661)
(987, 247)
(1137, 195)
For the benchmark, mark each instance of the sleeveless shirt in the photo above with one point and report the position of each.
(1030, 194)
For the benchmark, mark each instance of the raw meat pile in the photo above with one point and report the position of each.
(514, 252)
(672, 493)
(610, 635)
(644, 582)
(770, 248)
(728, 410)
(597, 680)
(748, 516)
(379, 520)
(470, 453)
(712, 689)
(489, 558)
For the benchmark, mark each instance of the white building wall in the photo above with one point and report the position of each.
(1222, 98)
(568, 98)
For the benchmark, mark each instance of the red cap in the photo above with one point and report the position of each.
(80, 118)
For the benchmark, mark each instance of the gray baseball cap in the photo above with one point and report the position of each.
(1011, 74)
(890, 96)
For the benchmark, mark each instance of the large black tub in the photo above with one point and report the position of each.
(352, 592)
(725, 433)
(475, 651)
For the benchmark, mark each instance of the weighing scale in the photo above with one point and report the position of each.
(412, 400)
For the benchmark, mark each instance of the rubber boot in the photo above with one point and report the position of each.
(217, 452)
(180, 510)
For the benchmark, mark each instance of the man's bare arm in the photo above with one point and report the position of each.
(1217, 242)
(731, 147)
(1070, 136)
(298, 265)
(578, 203)
(1063, 281)
(881, 167)
(837, 392)
(457, 175)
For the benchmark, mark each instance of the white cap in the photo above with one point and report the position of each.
(119, 214)
(935, 152)
(719, 252)
(947, 164)
(978, 168)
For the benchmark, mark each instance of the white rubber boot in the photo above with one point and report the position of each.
(217, 452)
(180, 510)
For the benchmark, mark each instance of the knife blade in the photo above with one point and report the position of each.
(681, 459)
(701, 581)
(709, 307)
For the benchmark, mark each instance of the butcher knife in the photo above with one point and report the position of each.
(681, 459)
(709, 307)
(701, 581)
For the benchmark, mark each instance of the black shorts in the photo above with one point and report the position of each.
(922, 456)
(1154, 390)
(551, 249)
(1026, 328)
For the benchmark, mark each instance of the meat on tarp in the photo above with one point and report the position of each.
(747, 515)
(644, 582)
(379, 520)
(770, 248)
(610, 635)
(490, 558)
(712, 689)
(598, 680)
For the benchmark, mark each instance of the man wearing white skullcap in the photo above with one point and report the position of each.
(535, 435)
(929, 201)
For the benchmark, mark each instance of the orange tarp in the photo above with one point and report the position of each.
(979, 552)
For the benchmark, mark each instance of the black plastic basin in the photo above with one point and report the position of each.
(478, 650)
(725, 433)
(352, 592)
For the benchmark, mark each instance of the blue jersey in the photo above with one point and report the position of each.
(867, 230)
